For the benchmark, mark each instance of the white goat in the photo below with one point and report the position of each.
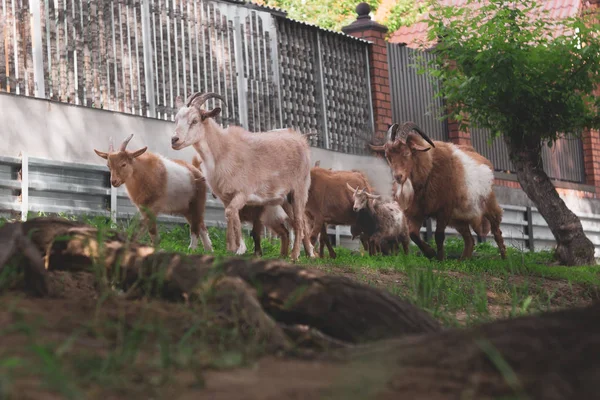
(244, 168)
(389, 220)
(158, 185)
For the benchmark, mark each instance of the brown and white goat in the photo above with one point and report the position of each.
(450, 183)
(330, 203)
(273, 217)
(244, 168)
(390, 224)
(158, 185)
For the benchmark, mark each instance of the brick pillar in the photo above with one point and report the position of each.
(367, 29)
(457, 136)
(591, 157)
(591, 138)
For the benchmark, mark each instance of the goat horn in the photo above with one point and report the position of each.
(111, 146)
(391, 133)
(202, 97)
(407, 127)
(126, 142)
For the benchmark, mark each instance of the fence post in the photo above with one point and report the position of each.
(275, 65)
(113, 203)
(429, 230)
(39, 84)
(370, 89)
(148, 52)
(24, 186)
(322, 97)
(530, 240)
(239, 67)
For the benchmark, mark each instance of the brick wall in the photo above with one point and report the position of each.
(367, 29)
(455, 135)
(584, 194)
(591, 157)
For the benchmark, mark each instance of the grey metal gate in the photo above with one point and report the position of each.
(413, 95)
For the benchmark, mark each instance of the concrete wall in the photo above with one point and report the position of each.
(66, 132)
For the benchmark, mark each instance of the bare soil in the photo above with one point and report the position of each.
(78, 325)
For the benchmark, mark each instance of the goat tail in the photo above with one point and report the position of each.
(485, 227)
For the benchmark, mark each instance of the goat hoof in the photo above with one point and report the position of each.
(242, 249)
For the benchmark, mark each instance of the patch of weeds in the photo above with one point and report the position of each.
(9, 367)
(10, 275)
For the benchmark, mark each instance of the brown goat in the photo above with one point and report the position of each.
(453, 184)
(330, 203)
(157, 185)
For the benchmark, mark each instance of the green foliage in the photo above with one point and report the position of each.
(404, 13)
(526, 78)
(328, 14)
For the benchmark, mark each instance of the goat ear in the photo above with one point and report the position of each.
(373, 196)
(102, 154)
(211, 114)
(139, 152)
(179, 102)
(379, 150)
(417, 147)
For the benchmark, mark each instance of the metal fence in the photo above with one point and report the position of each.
(45, 186)
(563, 161)
(413, 98)
(137, 56)
(413, 94)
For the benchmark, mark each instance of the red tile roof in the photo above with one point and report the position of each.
(415, 34)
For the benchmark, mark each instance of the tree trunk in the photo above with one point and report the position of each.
(573, 247)
(335, 306)
(552, 356)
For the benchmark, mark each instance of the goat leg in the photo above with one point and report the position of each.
(235, 241)
(325, 241)
(465, 232)
(149, 222)
(415, 235)
(257, 228)
(440, 237)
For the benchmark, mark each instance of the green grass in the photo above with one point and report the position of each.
(486, 258)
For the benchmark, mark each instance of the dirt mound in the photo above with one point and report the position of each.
(85, 317)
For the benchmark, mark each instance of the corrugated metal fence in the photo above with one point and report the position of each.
(413, 94)
(45, 186)
(562, 161)
(413, 99)
(137, 56)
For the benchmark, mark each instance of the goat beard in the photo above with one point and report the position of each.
(404, 194)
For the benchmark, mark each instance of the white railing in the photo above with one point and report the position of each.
(38, 185)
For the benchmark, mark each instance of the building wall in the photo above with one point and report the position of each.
(64, 132)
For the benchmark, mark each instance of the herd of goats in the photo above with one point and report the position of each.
(266, 179)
